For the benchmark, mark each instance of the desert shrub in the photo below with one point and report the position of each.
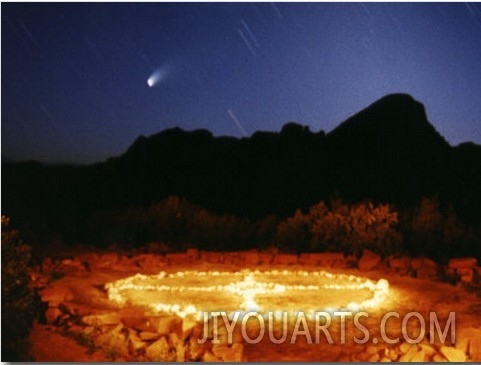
(125, 227)
(342, 227)
(170, 219)
(294, 233)
(352, 228)
(224, 232)
(178, 223)
(328, 227)
(426, 224)
(19, 302)
(435, 230)
(264, 231)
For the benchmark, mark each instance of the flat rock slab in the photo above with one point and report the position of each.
(463, 263)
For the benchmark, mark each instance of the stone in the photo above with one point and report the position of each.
(439, 358)
(405, 347)
(414, 354)
(475, 348)
(344, 358)
(106, 261)
(164, 325)
(462, 343)
(428, 349)
(73, 309)
(250, 257)
(450, 273)
(351, 260)
(477, 271)
(463, 263)
(211, 256)
(47, 264)
(150, 261)
(192, 253)
(76, 330)
(231, 258)
(157, 247)
(265, 258)
(96, 320)
(234, 354)
(373, 349)
(188, 326)
(180, 350)
(56, 294)
(453, 354)
(427, 273)
(329, 259)
(374, 358)
(149, 336)
(133, 317)
(113, 341)
(418, 356)
(69, 262)
(135, 344)
(107, 328)
(430, 263)
(52, 314)
(197, 350)
(355, 358)
(393, 355)
(307, 259)
(368, 261)
(64, 320)
(417, 263)
(285, 259)
(400, 263)
(466, 275)
(177, 258)
(210, 357)
(473, 336)
(411, 354)
(220, 350)
(160, 351)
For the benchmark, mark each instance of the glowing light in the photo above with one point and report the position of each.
(157, 76)
(245, 291)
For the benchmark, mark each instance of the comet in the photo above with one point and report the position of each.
(157, 76)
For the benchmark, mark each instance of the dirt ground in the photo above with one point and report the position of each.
(407, 294)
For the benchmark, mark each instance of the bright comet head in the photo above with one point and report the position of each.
(157, 76)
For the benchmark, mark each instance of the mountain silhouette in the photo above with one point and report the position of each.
(387, 152)
(390, 149)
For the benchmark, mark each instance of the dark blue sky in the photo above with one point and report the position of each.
(74, 76)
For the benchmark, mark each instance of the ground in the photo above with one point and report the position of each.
(82, 291)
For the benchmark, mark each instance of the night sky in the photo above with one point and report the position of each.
(80, 82)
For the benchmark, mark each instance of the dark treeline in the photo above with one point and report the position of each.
(175, 224)
(386, 155)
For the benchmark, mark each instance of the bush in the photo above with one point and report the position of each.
(294, 233)
(19, 302)
(347, 228)
(435, 230)
(180, 224)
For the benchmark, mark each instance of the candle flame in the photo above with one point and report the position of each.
(245, 286)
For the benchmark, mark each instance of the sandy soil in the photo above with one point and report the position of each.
(406, 294)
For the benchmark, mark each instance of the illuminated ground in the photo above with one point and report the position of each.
(284, 287)
(194, 292)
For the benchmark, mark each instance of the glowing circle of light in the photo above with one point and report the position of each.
(192, 292)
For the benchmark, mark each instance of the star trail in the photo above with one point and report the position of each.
(81, 81)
